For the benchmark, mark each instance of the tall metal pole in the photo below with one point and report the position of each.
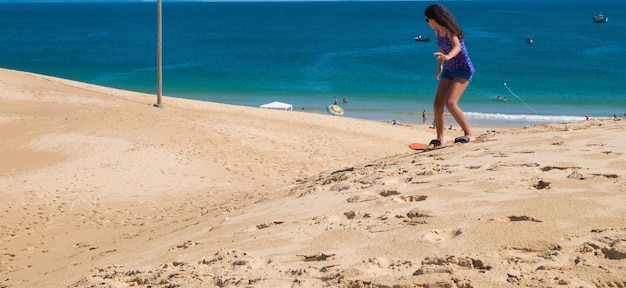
(159, 56)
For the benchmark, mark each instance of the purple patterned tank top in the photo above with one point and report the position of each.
(461, 61)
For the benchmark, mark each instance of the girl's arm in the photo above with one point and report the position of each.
(439, 65)
(456, 48)
(440, 59)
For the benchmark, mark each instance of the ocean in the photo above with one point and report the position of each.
(308, 53)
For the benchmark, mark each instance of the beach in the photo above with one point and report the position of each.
(102, 189)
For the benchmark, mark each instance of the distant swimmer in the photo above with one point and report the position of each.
(394, 122)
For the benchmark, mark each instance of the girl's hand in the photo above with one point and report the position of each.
(440, 56)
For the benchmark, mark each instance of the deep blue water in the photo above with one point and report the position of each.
(307, 53)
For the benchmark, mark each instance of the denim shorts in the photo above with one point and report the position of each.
(465, 74)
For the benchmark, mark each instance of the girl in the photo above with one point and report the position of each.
(456, 73)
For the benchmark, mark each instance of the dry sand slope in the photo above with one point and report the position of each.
(541, 207)
(96, 194)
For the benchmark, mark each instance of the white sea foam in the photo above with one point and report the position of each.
(523, 117)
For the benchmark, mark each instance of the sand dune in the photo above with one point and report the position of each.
(101, 189)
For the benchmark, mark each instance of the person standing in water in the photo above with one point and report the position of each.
(454, 71)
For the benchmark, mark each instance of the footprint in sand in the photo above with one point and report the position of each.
(413, 198)
(515, 218)
(441, 235)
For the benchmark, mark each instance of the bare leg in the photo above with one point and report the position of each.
(438, 106)
(454, 93)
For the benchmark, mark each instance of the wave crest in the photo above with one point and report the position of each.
(523, 117)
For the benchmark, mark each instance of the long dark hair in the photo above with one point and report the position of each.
(443, 17)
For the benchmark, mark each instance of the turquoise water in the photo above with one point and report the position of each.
(307, 53)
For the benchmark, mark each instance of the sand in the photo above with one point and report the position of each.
(101, 189)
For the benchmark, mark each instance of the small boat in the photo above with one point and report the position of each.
(529, 40)
(600, 18)
(422, 39)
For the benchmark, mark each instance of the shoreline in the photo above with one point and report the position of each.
(488, 119)
(495, 119)
(101, 189)
(479, 120)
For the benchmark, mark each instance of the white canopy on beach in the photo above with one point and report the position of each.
(278, 106)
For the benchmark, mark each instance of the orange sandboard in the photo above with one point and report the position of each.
(424, 147)
(418, 146)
